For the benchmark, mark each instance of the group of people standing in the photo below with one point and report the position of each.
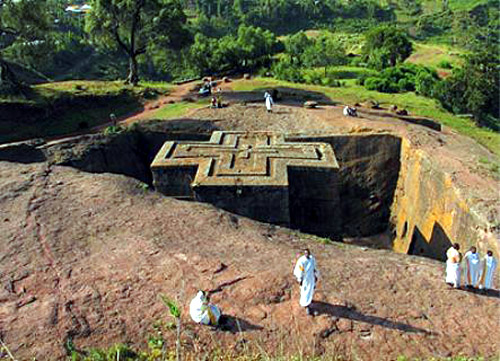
(477, 273)
(306, 272)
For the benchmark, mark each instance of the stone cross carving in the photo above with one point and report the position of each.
(255, 174)
(257, 158)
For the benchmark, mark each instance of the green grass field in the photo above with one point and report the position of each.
(96, 88)
(348, 72)
(433, 54)
(415, 104)
(176, 110)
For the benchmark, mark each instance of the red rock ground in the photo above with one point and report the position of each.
(85, 256)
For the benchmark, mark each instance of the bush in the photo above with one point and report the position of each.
(474, 89)
(381, 85)
(408, 77)
(286, 71)
(445, 64)
(404, 84)
(425, 84)
(313, 77)
(113, 129)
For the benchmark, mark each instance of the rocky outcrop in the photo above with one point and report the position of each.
(383, 183)
(369, 168)
(429, 213)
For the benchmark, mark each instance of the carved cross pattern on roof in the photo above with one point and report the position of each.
(244, 158)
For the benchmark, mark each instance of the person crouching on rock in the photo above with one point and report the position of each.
(201, 311)
(307, 274)
(350, 111)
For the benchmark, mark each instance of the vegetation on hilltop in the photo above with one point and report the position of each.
(136, 27)
(165, 40)
(25, 26)
(416, 104)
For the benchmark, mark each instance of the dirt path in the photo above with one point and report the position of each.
(176, 95)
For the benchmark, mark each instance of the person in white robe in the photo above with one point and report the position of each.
(201, 311)
(269, 101)
(307, 274)
(453, 266)
(350, 111)
(489, 266)
(472, 261)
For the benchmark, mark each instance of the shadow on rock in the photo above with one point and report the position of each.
(281, 95)
(486, 293)
(179, 125)
(323, 308)
(234, 324)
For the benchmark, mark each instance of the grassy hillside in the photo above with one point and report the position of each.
(415, 104)
(434, 55)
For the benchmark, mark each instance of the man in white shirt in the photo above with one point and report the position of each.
(489, 266)
(453, 266)
(471, 258)
(306, 273)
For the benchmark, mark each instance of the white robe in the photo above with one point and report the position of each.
(489, 266)
(452, 267)
(346, 111)
(472, 268)
(269, 101)
(305, 271)
(203, 312)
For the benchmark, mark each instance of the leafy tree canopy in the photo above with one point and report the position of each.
(325, 51)
(135, 26)
(251, 48)
(474, 88)
(295, 46)
(386, 46)
(23, 24)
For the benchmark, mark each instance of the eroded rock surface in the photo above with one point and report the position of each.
(85, 256)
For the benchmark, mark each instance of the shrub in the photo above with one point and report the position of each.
(408, 77)
(286, 71)
(113, 129)
(425, 84)
(404, 84)
(381, 85)
(445, 64)
(474, 88)
(313, 77)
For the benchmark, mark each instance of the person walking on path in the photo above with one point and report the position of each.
(307, 274)
(269, 101)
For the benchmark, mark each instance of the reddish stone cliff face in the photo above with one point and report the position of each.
(430, 212)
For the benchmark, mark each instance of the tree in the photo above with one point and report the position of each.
(22, 24)
(386, 46)
(256, 45)
(325, 51)
(201, 53)
(411, 7)
(475, 88)
(295, 46)
(252, 47)
(136, 25)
